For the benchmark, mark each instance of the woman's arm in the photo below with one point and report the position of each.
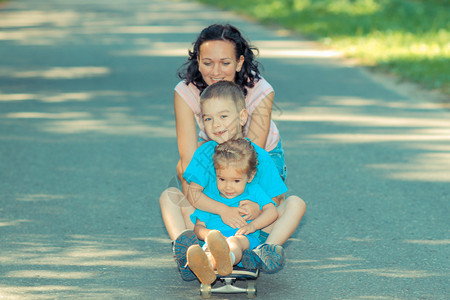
(260, 121)
(186, 131)
(229, 215)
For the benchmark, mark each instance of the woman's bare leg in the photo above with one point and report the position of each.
(175, 211)
(290, 212)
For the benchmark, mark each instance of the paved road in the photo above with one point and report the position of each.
(87, 143)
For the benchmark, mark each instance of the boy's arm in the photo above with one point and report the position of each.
(249, 210)
(229, 215)
(268, 216)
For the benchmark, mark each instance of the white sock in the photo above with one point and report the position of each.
(233, 258)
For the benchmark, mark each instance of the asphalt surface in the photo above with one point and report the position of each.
(87, 144)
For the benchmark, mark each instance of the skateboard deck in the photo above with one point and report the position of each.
(226, 284)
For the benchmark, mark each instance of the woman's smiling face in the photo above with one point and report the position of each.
(217, 61)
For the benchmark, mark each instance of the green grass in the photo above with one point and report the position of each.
(408, 38)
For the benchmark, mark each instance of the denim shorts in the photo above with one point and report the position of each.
(277, 155)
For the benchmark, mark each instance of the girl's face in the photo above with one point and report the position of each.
(231, 182)
(217, 61)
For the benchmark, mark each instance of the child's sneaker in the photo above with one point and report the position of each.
(218, 246)
(199, 264)
(180, 246)
(269, 258)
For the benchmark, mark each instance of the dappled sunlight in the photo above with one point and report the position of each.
(360, 240)
(428, 242)
(39, 115)
(44, 274)
(158, 29)
(113, 121)
(393, 273)
(345, 258)
(40, 197)
(158, 49)
(360, 262)
(319, 115)
(62, 97)
(37, 37)
(110, 126)
(45, 291)
(349, 101)
(433, 166)
(32, 292)
(94, 251)
(5, 223)
(61, 73)
(379, 138)
(422, 129)
(36, 18)
(292, 49)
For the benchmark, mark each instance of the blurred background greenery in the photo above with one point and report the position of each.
(410, 39)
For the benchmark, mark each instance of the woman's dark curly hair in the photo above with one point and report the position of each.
(249, 73)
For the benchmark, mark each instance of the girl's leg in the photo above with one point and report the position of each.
(238, 244)
(175, 211)
(290, 212)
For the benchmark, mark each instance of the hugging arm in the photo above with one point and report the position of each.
(186, 133)
(268, 216)
(198, 199)
(260, 122)
(249, 210)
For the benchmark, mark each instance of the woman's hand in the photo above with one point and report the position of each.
(247, 229)
(232, 217)
(249, 210)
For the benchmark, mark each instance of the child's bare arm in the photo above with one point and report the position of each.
(268, 216)
(229, 215)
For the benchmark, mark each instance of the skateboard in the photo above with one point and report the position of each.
(227, 283)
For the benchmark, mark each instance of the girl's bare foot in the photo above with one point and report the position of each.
(199, 263)
(220, 250)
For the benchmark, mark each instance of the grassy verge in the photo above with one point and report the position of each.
(410, 39)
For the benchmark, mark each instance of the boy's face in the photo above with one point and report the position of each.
(222, 120)
(231, 182)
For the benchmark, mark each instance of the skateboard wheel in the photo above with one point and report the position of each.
(205, 291)
(251, 289)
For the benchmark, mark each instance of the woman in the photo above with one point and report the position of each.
(221, 53)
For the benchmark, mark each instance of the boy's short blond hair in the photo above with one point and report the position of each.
(224, 90)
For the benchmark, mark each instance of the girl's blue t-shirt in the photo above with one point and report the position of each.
(201, 171)
(252, 192)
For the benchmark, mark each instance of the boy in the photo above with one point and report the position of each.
(224, 115)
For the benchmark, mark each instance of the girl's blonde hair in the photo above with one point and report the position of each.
(238, 152)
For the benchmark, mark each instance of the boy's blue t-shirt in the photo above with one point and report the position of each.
(201, 171)
(252, 192)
